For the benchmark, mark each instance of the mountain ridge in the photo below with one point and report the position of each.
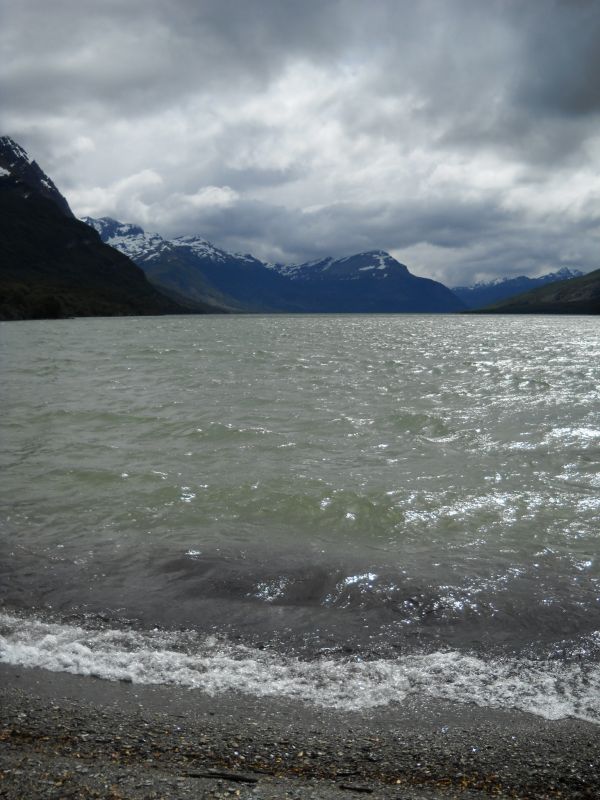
(484, 293)
(372, 281)
(53, 265)
(580, 295)
(192, 267)
(16, 163)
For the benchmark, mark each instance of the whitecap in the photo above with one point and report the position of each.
(553, 689)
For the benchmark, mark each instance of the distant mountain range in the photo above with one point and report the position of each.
(53, 265)
(191, 267)
(483, 294)
(579, 295)
(371, 282)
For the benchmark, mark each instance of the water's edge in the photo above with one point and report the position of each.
(552, 689)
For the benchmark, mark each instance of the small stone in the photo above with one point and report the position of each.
(357, 787)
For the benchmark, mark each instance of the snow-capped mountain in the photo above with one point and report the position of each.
(131, 240)
(191, 266)
(52, 264)
(16, 164)
(373, 281)
(579, 295)
(140, 245)
(59, 267)
(487, 292)
(376, 262)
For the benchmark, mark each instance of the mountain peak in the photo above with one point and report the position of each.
(373, 263)
(566, 273)
(371, 281)
(12, 153)
(16, 164)
(191, 238)
(130, 239)
(486, 293)
(377, 253)
(201, 247)
(108, 227)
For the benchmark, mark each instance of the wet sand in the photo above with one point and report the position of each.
(65, 736)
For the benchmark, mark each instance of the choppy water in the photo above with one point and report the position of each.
(352, 510)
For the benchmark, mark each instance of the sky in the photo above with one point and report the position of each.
(462, 136)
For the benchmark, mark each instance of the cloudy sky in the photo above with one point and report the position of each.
(463, 136)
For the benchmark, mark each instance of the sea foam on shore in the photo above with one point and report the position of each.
(553, 689)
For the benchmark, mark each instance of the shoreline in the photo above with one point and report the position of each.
(65, 735)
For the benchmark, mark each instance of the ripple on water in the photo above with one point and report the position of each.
(448, 453)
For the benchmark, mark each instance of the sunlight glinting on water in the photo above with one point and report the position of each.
(377, 483)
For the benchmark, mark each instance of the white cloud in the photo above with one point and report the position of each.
(211, 196)
(460, 136)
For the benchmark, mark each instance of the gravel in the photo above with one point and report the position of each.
(64, 736)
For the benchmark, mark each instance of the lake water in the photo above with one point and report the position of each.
(352, 510)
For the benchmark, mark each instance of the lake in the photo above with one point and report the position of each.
(347, 509)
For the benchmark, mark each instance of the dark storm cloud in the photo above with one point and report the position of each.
(562, 61)
(461, 135)
(544, 105)
(136, 56)
(344, 228)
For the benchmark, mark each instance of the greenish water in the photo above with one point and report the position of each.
(369, 486)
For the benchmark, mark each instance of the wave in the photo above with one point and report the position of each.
(552, 689)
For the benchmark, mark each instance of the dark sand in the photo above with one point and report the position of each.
(64, 736)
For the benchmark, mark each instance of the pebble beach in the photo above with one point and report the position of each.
(70, 736)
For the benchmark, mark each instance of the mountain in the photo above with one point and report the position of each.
(53, 265)
(195, 268)
(16, 163)
(367, 283)
(579, 295)
(487, 293)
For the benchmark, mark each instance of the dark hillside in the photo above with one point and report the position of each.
(52, 265)
(576, 296)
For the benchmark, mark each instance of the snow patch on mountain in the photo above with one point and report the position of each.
(347, 267)
(14, 150)
(296, 270)
(487, 292)
(563, 274)
(140, 246)
(16, 163)
(129, 239)
(381, 261)
(201, 247)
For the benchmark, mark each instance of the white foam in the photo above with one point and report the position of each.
(551, 689)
